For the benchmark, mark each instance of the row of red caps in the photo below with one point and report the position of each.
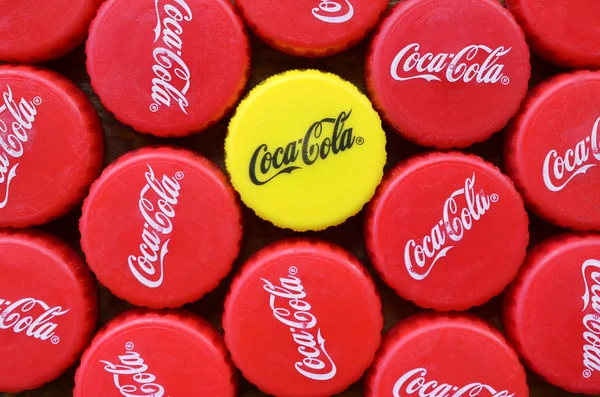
(194, 72)
(552, 149)
(303, 317)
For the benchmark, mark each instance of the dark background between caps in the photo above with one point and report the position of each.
(266, 62)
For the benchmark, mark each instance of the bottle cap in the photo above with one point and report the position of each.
(181, 69)
(552, 150)
(302, 318)
(312, 28)
(161, 227)
(568, 35)
(47, 309)
(448, 74)
(447, 231)
(33, 33)
(149, 353)
(443, 355)
(51, 146)
(305, 150)
(552, 312)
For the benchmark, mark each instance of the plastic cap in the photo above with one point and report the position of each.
(447, 231)
(161, 227)
(47, 309)
(179, 71)
(51, 148)
(312, 28)
(552, 150)
(552, 312)
(302, 319)
(146, 353)
(448, 73)
(35, 32)
(449, 356)
(563, 31)
(305, 150)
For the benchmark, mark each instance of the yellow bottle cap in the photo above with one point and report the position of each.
(305, 150)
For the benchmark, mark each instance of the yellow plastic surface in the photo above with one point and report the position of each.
(305, 150)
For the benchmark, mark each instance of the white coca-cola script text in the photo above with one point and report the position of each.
(464, 66)
(414, 382)
(316, 363)
(158, 214)
(168, 64)
(333, 11)
(131, 375)
(34, 317)
(461, 210)
(591, 319)
(13, 134)
(559, 170)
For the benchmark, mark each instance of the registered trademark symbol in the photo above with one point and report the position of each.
(293, 270)
(129, 346)
(37, 100)
(179, 175)
(154, 108)
(505, 80)
(451, 66)
(595, 150)
(587, 373)
(360, 140)
(55, 339)
(494, 197)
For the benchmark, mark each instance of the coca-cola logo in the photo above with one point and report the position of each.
(168, 64)
(591, 319)
(266, 165)
(294, 312)
(466, 66)
(461, 210)
(333, 11)
(13, 134)
(131, 375)
(157, 202)
(33, 317)
(558, 170)
(414, 382)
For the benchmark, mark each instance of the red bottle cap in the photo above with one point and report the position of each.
(449, 356)
(552, 150)
(312, 28)
(563, 31)
(447, 231)
(552, 312)
(47, 309)
(51, 146)
(161, 227)
(40, 32)
(448, 74)
(145, 353)
(302, 319)
(179, 71)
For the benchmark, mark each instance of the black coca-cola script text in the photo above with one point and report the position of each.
(265, 164)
